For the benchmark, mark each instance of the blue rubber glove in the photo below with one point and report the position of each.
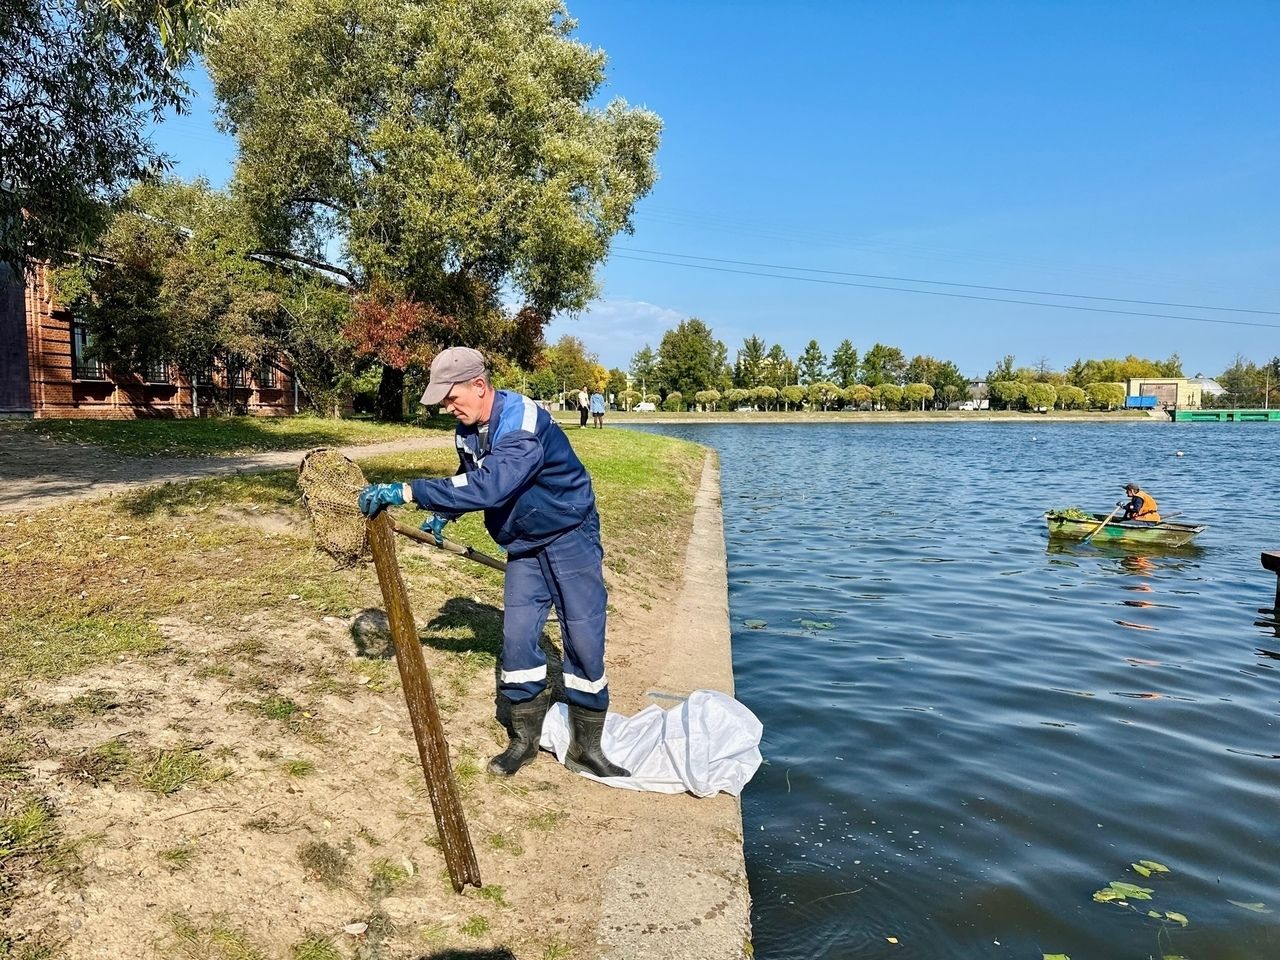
(378, 495)
(435, 527)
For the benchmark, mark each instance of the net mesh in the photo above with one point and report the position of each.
(329, 484)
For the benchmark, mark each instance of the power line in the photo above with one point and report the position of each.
(967, 286)
(810, 235)
(945, 293)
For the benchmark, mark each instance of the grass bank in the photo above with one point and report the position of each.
(223, 436)
(203, 745)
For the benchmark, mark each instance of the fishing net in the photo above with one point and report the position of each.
(330, 483)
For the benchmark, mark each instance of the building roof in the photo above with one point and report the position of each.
(1209, 385)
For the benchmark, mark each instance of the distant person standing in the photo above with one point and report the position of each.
(1141, 506)
(583, 400)
(597, 409)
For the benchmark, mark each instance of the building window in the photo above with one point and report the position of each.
(83, 367)
(202, 375)
(268, 376)
(156, 371)
(237, 373)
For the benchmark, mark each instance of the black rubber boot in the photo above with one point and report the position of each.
(585, 753)
(526, 732)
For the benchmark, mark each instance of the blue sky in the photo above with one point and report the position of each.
(1124, 150)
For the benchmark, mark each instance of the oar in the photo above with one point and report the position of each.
(1105, 521)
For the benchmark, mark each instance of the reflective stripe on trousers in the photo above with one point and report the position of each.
(568, 573)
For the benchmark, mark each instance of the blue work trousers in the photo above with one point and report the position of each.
(569, 573)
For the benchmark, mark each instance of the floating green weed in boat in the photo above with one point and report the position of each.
(1073, 513)
(1255, 907)
(754, 624)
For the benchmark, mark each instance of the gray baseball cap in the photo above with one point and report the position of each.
(451, 366)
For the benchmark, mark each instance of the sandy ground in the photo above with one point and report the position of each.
(346, 852)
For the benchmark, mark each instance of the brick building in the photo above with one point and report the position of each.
(45, 371)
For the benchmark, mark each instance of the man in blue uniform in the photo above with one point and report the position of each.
(516, 464)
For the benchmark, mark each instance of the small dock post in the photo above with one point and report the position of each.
(1271, 561)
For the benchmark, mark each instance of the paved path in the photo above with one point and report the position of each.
(679, 891)
(36, 472)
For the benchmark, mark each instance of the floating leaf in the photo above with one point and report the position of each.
(1107, 895)
(1154, 867)
(816, 624)
(892, 939)
(1176, 917)
(1131, 890)
(1056, 956)
(755, 624)
(1255, 907)
(1139, 868)
(1155, 914)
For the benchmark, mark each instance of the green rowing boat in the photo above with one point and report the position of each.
(1163, 534)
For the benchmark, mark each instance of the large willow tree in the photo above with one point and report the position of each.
(79, 79)
(446, 156)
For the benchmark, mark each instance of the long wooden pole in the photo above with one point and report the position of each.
(433, 749)
(450, 546)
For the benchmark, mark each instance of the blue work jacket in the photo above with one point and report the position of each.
(521, 472)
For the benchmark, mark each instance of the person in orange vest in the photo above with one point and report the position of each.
(1141, 506)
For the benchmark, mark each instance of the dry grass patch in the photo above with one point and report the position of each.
(107, 762)
(177, 858)
(324, 862)
(315, 946)
(168, 771)
(216, 939)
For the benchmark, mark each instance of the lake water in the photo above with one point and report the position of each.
(969, 731)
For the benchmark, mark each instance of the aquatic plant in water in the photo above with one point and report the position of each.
(815, 624)
(1121, 892)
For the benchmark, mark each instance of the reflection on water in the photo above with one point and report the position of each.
(993, 727)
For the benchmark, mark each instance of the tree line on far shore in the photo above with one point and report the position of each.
(691, 369)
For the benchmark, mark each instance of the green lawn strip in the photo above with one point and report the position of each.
(221, 436)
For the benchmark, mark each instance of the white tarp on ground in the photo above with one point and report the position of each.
(709, 743)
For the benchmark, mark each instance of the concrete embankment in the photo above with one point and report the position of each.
(682, 892)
